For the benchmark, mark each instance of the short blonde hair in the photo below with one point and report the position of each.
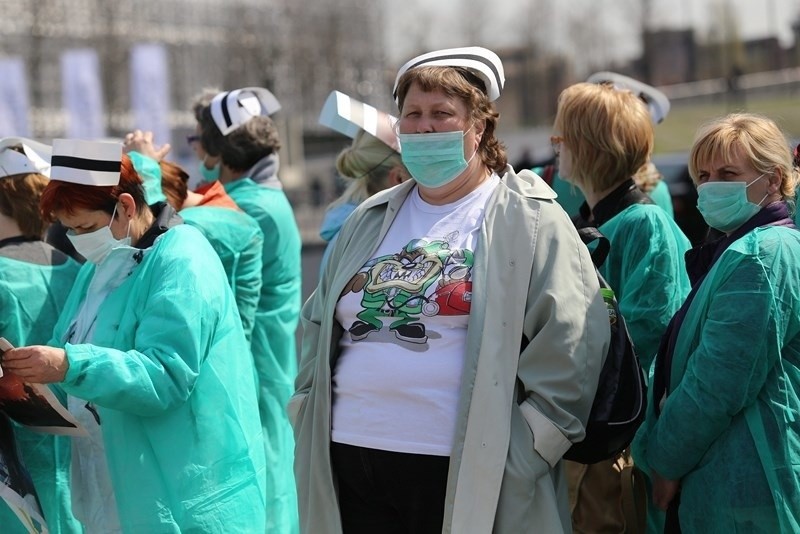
(367, 162)
(608, 132)
(753, 136)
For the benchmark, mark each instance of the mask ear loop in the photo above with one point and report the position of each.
(476, 148)
(754, 181)
(203, 161)
(113, 214)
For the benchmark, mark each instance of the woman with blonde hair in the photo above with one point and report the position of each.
(370, 165)
(605, 137)
(722, 428)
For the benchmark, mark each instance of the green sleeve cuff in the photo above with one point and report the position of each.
(149, 171)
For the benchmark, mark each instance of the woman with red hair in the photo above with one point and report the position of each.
(152, 356)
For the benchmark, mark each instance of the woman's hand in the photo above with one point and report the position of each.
(38, 363)
(664, 490)
(142, 142)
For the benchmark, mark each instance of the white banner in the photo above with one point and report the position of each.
(13, 98)
(82, 94)
(150, 91)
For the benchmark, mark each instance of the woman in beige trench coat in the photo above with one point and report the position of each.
(530, 283)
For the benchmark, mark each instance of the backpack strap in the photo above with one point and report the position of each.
(590, 234)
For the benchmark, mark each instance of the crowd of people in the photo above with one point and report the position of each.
(452, 350)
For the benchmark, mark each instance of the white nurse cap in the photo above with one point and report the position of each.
(657, 102)
(348, 116)
(96, 163)
(231, 109)
(34, 158)
(481, 62)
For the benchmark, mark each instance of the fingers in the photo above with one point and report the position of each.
(658, 497)
(142, 141)
(664, 492)
(37, 363)
(16, 356)
(163, 151)
(660, 502)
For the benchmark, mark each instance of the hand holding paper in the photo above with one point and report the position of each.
(38, 364)
(29, 403)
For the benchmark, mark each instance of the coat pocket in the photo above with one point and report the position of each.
(526, 486)
(523, 462)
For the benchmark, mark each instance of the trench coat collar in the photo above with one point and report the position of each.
(526, 183)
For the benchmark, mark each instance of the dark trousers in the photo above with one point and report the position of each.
(389, 492)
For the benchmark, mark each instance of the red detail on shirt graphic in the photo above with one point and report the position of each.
(454, 298)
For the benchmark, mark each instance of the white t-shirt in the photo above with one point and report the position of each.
(397, 380)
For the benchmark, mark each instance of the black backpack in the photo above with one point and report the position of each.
(619, 404)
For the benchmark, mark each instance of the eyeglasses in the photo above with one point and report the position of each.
(555, 142)
(192, 139)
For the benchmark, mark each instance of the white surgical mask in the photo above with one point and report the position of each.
(95, 246)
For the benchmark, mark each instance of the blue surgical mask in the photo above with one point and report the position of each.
(95, 246)
(724, 205)
(434, 159)
(209, 175)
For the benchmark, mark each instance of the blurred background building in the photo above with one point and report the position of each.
(299, 50)
(99, 68)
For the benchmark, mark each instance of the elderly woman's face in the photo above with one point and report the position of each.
(434, 111)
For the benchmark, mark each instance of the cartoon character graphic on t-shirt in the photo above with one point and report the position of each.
(404, 287)
(453, 294)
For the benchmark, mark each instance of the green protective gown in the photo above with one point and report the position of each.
(149, 171)
(571, 198)
(661, 197)
(31, 298)
(730, 427)
(273, 343)
(171, 377)
(645, 267)
(238, 241)
(235, 237)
